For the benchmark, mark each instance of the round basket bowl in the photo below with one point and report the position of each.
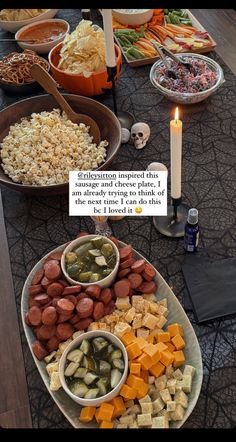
(76, 343)
(13, 25)
(24, 88)
(105, 282)
(107, 121)
(184, 97)
(133, 19)
(77, 83)
(42, 48)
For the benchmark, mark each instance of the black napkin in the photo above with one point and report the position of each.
(211, 285)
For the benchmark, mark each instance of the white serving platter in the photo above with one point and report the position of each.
(71, 409)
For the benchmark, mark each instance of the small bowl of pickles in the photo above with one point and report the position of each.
(90, 259)
(93, 368)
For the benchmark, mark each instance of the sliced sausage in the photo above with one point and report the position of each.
(55, 289)
(109, 308)
(147, 287)
(45, 282)
(125, 252)
(82, 324)
(35, 315)
(71, 290)
(27, 321)
(148, 272)
(82, 295)
(55, 301)
(33, 303)
(64, 306)
(53, 343)
(105, 296)
(123, 273)
(39, 350)
(44, 306)
(62, 282)
(114, 239)
(46, 331)
(122, 288)
(37, 277)
(49, 316)
(64, 318)
(54, 256)
(52, 269)
(93, 291)
(84, 307)
(72, 299)
(125, 264)
(98, 311)
(113, 293)
(75, 318)
(82, 234)
(35, 289)
(138, 266)
(135, 280)
(42, 298)
(64, 331)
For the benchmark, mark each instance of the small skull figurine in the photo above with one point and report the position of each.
(140, 133)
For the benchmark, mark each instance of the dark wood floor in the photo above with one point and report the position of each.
(14, 403)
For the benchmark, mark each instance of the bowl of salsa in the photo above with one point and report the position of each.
(42, 36)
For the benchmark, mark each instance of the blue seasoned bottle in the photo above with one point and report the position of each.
(191, 235)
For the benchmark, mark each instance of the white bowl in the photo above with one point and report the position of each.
(105, 282)
(133, 19)
(42, 48)
(13, 26)
(185, 97)
(74, 344)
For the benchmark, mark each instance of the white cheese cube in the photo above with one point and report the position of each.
(162, 310)
(50, 357)
(134, 425)
(146, 407)
(135, 409)
(144, 420)
(187, 383)
(181, 398)
(127, 420)
(178, 414)
(129, 403)
(171, 405)
(178, 374)
(169, 371)
(143, 332)
(51, 367)
(165, 395)
(151, 389)
(149, 321)
(161, 321)
(91, 327)
(163, 302)
(130, 315)
(158, 405)
(55, 382)
(137, 321)
(150, 298)
(164, 413)
(160, 422)
(121, 328)
(160, 382)
(122, 426)
(145, 399)
(179, 386)
(123, 303)
(155, 395)
(189, 370)
(153, 308)
(171, 385)
(151, 379)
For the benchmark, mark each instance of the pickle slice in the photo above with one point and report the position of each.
(85, 276)
(101, 261)
(94, 252)
(97, 242)
(107, 249)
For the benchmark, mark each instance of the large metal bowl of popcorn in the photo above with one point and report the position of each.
(189, 87)
(37, 162)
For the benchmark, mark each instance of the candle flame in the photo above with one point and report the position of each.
(176, 114)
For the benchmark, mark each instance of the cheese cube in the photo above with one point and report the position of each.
(161, 346)
(158, 405)
(160, 382)
(171, 385)
(130, 314)
(160, 422)
(134, 425)
(178, 386)
(178, 342)
(122, 426)
(127, 392)
(51, 356)
(134, 381)
(103, 326)
(128, 338)
(126, 420)
(169, 371)
(51, 367)
(151, 379)
(178, 414)
(151, 298)
(170, 346)
(145, 361)
(189, 369)
(153, 352)
(166, 357)
(151, 389)
(109, 319)
(149, 321)
(155, 395)
(175, 329)
(64, 345)
(142, 392)
(144, 420)
(145, 399)
(121, 328)
(55, 382)
(133, 351)
(163, 302)
(129, 403)
(165, 395)
(171, 405)
(153, 308)
(163, 337)
(181, 398)
(178, 374)
(143, 332)
(187, 383)
(135, 368)
(146, 407)
(123, 303)
(140, 304)
(141, 342)
(164, 413)
(135, 409)
(137, 321)
(162, 310)
(161, 321)
(157, 369)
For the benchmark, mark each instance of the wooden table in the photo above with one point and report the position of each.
(14, 404)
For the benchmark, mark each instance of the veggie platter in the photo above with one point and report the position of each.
(142, 311)
(178, 29)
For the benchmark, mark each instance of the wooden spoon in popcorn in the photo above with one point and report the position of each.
(50, 86)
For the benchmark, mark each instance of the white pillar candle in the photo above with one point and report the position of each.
(176, 155)
(109, 39)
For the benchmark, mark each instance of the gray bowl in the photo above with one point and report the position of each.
(184, 97)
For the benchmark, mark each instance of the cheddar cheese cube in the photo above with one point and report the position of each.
(119, 406)
(170, 346)
(178, 342)
(161, 346)
(127, 392)
(133, 350)
(144, 374)
(105, 412)
(96, 416)
(135, 368)
(179, 358)
(141, 342)
(167, 357)
(152, 351)
(128, 338)
(150, 339)
(145, 361)
(175, 329)
(87, 414)
(163, 337)
(134, 381)
(157, 369)
(106, 424)
(143, 390)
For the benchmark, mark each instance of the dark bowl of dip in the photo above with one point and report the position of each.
(42, 36)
